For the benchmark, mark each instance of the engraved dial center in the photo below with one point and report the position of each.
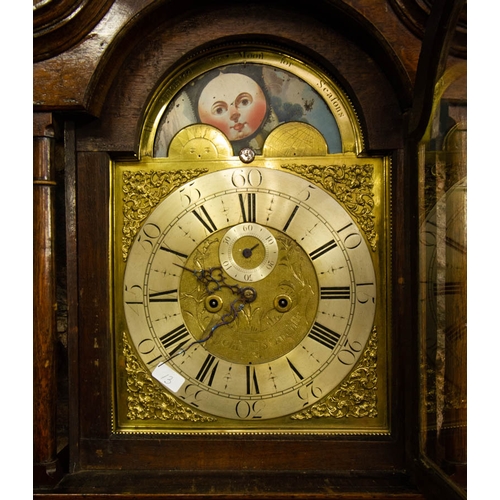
(279, 310)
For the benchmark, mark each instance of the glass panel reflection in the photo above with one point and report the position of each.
(443, 284)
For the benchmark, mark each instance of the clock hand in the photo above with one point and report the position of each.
(200, 274)
(213, 279)
(247, 252)
(246, 295)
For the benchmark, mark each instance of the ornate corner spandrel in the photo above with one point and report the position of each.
(143, 191)
(352, 185)
(356, 396)
(146, 401)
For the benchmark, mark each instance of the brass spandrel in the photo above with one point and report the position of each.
(352, 185)
(145, 398)
(142, 191)
(357, 396)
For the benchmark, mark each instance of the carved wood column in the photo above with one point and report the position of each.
(44, 302)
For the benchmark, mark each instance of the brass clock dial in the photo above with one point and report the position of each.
(249, 293)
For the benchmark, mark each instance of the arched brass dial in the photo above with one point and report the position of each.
(249, 293)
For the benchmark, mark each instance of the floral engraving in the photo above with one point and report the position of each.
(145, 398)
(356, 396)
(143, 191)
(351, 185)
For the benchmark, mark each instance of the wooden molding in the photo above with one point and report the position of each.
(60, 24)
(415, 14)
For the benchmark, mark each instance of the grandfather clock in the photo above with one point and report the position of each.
(252, 223)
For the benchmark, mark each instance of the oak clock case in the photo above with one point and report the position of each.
(250, 286)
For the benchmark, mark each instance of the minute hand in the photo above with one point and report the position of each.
(213, 278)
(246, 295)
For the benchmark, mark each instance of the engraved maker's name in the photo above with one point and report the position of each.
(329, 94)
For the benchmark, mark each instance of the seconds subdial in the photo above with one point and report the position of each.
(248, 252)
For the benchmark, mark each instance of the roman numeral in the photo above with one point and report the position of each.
(324, 335)
(178, 337)
(459, 247)
(163, 296)
(169, 250)
(448, 288)
(289, 221)
(345, 227)
(252, 384)
(154, 360)
(296, 372)
(205, 219)
(335, 292)
(248, 209)
(207, 370)
(323, 249)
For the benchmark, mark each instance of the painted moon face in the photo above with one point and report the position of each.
(233, 103)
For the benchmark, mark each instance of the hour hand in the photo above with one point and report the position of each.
(196, 272)
(213, 278)
(212, 273)
(246, 295)
(206, 276)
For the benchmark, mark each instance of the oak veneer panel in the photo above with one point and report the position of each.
(93, 287)
(233, 485)
(184, 453)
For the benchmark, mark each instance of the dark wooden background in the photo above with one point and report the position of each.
(96, 65)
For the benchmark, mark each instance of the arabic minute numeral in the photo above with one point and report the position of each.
(189, 195)
(192, 394)
(136, 292)
(348, 355)
(243, 178)
(308, 391)
(353, 239)
(362, 295)
(148, 235)
(246, 410)
(145, 347)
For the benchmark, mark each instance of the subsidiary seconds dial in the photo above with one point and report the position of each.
(248, 252)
